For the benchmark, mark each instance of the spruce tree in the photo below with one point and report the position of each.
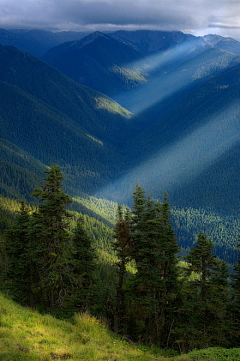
(204, 299)
(49, 240)
(235, 304)
(154, 251)
(168, 249)
(82, 267)
(123, 247)
(19, 270)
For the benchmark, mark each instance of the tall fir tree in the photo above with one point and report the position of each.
(154, 251)
(82, 266)
(235, 304)
(123, 248)
(49, 240)
(19, 270)
(204, 299)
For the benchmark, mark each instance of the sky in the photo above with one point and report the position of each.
(197, 17)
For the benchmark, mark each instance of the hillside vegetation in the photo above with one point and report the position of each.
(27, 335)
(179, 135)
(100, 216)
(64, 263)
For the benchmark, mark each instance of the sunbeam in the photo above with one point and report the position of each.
(183, 161)
(171, 57)
(170, 72)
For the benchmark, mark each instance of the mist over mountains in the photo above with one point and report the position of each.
(157, 108)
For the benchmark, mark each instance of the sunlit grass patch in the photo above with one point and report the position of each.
(25, 335)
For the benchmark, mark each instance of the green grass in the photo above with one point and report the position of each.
(28, 336)
(212, 354)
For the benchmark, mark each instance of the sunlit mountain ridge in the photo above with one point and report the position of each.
(177, 132)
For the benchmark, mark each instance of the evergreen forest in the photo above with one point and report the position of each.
(119, 196)
(142, 287)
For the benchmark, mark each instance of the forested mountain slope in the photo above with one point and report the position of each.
(119, 62)
(183, 137)
(57, 120)
(36, 42)
(19, 171)
(98, 61)
(193, 148)
(149, 42)
(87, 108)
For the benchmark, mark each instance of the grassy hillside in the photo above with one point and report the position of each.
(26, 335)
(29, 336)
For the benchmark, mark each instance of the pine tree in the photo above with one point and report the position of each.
(82, 266)
(204, 299)
(50, 240)
(235, 305)
(168, 249)
(154, 251)
(123, 247)
(19, 269)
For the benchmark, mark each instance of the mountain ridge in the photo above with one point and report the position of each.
(57, 120)
(96, 141)
(36, 42)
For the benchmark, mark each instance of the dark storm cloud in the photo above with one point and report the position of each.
(120, 13)
(193, 16)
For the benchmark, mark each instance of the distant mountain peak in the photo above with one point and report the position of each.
(212, 39)
(227, 44)
(89, 39)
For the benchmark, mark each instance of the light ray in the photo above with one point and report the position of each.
(183, 161)
(170, 72)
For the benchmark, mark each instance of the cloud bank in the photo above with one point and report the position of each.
(198, 17)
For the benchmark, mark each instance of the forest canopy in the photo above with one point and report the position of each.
(50, 263)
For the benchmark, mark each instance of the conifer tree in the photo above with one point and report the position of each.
(50, 240)
(168, 249)
(236, 301)
(204, 297)
(123, 247)
(19, 270)
(154, 251)
(82, 267)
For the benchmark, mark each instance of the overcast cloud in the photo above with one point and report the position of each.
(197, 17)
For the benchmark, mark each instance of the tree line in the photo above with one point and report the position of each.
(44, 264)
(147, 295)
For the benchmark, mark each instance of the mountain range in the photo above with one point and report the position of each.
(157, 108)
(37, 42)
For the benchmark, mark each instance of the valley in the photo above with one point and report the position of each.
(176, 130)
(119, 112)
